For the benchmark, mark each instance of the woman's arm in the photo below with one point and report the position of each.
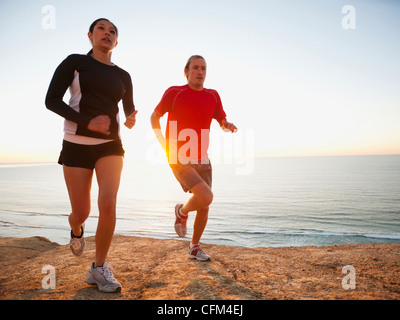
(59, 84)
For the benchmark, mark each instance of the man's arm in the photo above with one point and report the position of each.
(155, 124)
(228, 126)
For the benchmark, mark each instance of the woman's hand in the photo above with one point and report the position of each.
(131, 120)
(100, 124)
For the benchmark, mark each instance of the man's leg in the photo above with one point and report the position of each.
(199, 225)
(200, 202)
(201, 198)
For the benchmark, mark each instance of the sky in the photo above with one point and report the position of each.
(298, 78)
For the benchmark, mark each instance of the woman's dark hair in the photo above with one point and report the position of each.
(91, 29)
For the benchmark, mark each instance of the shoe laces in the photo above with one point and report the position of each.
(198, 249)
(107, 271)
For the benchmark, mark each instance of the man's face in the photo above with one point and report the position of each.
(196, 74)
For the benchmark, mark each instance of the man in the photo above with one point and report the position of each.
(191, 109)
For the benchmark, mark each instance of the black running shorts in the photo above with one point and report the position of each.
(86, 156)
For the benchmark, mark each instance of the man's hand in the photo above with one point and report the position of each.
(228, 126)
(131, 120)
(100, 124)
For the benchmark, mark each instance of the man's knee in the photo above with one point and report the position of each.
(203, 193)
(208, 198)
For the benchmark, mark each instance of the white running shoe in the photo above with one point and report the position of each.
(195, 252)
(180, 221)
(104, 278)
(77, 244)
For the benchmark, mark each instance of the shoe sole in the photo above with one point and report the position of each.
(177, 225)
(178, 231)
(79, 252)
(199, 259)
(92, 281)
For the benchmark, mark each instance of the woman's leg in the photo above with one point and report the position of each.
(79, 183)
(108, 172)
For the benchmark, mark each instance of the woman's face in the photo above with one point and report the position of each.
(104, 36)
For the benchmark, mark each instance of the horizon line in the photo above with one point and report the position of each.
(255, 157)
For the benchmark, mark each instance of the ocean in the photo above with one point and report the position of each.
(279, 202)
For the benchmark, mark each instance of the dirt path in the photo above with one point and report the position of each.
(152, 269)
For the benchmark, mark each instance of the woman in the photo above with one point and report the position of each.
(92, 141)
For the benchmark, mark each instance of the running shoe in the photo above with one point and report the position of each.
(104, 278)
(180, 221)
(195, 252)
(77, 244)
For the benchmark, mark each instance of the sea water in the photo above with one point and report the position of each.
(280, 202)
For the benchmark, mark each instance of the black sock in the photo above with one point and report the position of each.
(74, 236)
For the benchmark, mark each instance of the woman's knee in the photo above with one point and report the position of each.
(107, 204)
(79, 216)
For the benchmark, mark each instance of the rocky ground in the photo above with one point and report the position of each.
(153, 269)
